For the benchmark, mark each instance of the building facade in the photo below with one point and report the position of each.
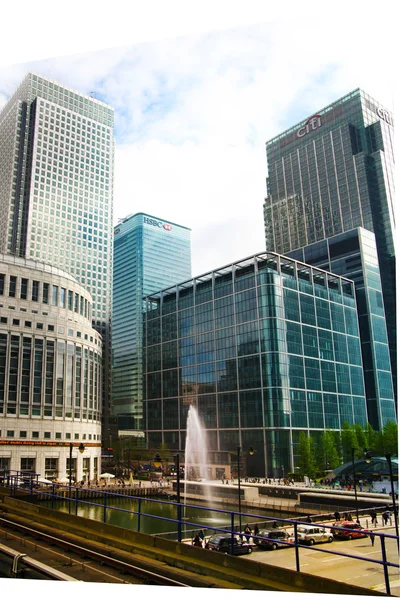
(353, 254)
(56, 189)
(332, 173)
(50, 372)
(149, 254)
(265, 348)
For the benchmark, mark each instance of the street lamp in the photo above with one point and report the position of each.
(368, 457)
(81, 449)
(355, 484)
(251, 452)
(157, 461)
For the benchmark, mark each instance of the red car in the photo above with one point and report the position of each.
(356, 531)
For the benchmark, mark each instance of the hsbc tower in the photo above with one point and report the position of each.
(149, 254)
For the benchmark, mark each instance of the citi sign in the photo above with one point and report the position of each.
(155, 223)
(311, 124)
(385, 115)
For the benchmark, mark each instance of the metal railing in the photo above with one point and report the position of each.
(184, 525)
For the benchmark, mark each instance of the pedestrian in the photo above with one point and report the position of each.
(256, 530)
(373, 516)
(385, 517)
(337, 516)
(197, 541)
(308, 520)
(201, 534)
(247, 532)
(372, 538)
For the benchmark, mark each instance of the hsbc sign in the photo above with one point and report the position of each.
(312, 123)
(156, 223)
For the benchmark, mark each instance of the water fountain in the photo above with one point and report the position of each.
(196, 465)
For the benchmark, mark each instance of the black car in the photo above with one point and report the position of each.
(271, 538)
(222, 543)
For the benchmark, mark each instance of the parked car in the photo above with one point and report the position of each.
(312, 534)
(271, 538)
(222, 543)
(356, 531)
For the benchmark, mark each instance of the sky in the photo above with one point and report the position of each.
(193, 114)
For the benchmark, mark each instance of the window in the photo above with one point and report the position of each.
(39, 325)
(28, 323)
(15, 322)
(35, 434)
(22, 434)
(1, 284)
(35, 291)
(45, 293)
(10, 433)
(13, 286)
(47, 435)
(58, 435)
(24, 289)
(3, 319)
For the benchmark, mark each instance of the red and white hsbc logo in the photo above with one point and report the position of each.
(156, 223)
(311, 124)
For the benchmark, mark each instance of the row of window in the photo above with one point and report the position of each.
(37, 291)
(28, 324)
(35, 435)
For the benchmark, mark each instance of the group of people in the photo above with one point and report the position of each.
(198, 539)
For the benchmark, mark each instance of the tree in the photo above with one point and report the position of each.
(327, 456)
(370, 437)
(349, 441)
(306, 452)
(390, 438)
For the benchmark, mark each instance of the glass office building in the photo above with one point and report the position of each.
(149, 254)
(56, 189)
(353, 254)
(331, 173)
(265, 348)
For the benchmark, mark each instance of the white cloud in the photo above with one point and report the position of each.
(193, 115)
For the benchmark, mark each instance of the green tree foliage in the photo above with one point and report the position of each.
(390, 438)
(327, 456)
(306, 450)
(349, 441)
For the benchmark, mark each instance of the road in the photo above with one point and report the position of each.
(340, 568)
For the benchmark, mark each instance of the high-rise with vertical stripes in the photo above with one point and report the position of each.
(56, 189)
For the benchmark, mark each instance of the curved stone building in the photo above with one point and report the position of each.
(50, 372)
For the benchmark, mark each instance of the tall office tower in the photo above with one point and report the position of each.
(331, 173)
(265, 348)
(149, 254)
(353, 254)
(56, 189)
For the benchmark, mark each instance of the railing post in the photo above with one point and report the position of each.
(385, 567)
(232, 530)
(296, 548)
(76, 500)
(52, 496)
(179, 522)
(104, 507)
(138, 517)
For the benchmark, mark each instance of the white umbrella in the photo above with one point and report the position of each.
(43, 480)
(107, 476)
(63, 480)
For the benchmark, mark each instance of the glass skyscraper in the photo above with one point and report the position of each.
(353, 254)
(331, 173)
(149, 254)
(56, 189)
(265, 348)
